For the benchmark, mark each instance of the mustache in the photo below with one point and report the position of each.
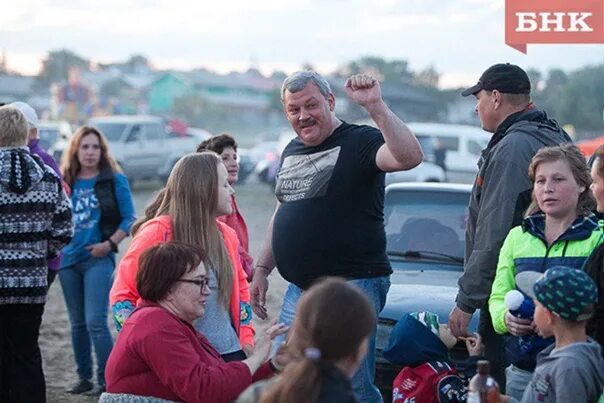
(307, 122)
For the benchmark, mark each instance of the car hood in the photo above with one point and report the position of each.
(406, 298)
(422, 290)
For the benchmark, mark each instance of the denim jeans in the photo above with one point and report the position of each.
(86, 286)
(376, 289)
(516, 381)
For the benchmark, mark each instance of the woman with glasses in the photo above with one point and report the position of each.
(159, 354)
(187, 210)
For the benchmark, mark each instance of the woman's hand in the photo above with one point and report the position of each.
(517, 326)
(263, 346)
(100, 249)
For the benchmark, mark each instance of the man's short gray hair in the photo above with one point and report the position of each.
(13, 127)
(297, 81)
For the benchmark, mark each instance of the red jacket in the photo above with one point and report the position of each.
(159, 230)
(235, 220)
(157, 354)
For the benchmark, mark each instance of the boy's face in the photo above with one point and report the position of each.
(543, 320)
(445, 335)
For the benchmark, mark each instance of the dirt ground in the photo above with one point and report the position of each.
(256, 202)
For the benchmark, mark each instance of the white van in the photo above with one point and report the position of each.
(463, 145)
(426, 171)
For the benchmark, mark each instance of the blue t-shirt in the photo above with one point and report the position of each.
(87, 213)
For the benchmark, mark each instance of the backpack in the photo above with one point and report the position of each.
(432, 382)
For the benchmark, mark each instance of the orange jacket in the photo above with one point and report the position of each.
(159, 230)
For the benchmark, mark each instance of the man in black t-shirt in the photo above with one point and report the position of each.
(330, 190)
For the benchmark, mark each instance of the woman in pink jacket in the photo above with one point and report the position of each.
(186, 210)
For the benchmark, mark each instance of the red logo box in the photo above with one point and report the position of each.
(553, 21)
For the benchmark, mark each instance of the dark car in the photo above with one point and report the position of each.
(425, 229)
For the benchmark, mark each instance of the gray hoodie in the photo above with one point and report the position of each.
(573, 373)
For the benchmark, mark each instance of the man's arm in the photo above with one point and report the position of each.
(402, 150)
(264, 265)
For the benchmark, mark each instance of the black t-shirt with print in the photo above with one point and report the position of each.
(331, 218)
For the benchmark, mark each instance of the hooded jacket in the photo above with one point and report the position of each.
(36, 225)
(525, 249)
(35, 149)
(501, 193)
(573, 373)
(412, 343)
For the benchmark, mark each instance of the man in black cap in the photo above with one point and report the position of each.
(501, 192)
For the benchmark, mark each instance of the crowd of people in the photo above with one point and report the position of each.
(183, 295)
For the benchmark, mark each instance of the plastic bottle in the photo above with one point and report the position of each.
(483, 388)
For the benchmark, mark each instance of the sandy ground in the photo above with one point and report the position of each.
(256, 202)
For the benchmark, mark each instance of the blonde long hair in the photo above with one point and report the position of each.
(190, 198)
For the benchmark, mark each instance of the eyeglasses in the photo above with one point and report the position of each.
(201, 283)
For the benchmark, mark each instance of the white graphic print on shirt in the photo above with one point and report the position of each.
(306, 176)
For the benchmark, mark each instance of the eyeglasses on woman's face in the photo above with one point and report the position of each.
(201, 283)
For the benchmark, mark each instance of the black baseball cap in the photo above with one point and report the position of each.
(503, 77)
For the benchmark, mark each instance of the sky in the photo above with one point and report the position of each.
(458, 38)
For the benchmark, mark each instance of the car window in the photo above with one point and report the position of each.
(427, 221)
(135, 134)
(111, 131)
(153, 132)
(427, 145)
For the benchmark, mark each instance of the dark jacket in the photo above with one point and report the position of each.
(110, 212)
(501, 194)
(411, 344)
(594, 266)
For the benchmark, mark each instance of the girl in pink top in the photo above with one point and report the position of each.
(186, 210)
